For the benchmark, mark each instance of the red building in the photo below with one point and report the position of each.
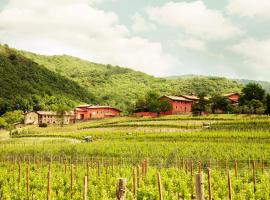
(234, 97)
(88, 112)
(193, 98)
(180, 105)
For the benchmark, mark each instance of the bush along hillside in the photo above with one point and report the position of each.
(121, 87)
(27, 85)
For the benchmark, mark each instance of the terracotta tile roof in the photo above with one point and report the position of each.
(83, 107)
(192, 97)
(53, 113)
(230, 94)
(176, 98)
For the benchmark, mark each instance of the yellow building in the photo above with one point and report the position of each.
(48, 117)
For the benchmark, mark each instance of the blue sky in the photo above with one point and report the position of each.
(207, 37)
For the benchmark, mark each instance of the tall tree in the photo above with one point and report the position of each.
(62, 111)
(220, 103)
(252, 91)
(268, 104)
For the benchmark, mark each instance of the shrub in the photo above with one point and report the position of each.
(43, 125)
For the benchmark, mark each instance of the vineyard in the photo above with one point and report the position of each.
(173, 157)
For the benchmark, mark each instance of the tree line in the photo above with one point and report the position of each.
(253, 100)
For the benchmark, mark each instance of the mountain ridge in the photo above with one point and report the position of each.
(121, 86)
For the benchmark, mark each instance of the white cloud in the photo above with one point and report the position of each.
(195, 18)
(255, 55)
(250, 8)
(80, 29)
(192, 43)
(141, 25)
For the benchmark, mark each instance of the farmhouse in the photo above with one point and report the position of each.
(47, 117)
(234, 97)
(180, 105)
(88, 112)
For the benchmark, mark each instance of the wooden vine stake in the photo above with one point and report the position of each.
(159, 186)
(19, 174)
(262, 166)
(27, 179)
(65, 166)
(138, 176)
(112, 166)
(49, 182)
(107, 170)
(199, 186)
(134, 182)
(209, 184)
(191, 179)
(121, 189)
(236, 168)
(71, 181)
(229, 186)
(85, 188)
(254, 175)
(98, 168)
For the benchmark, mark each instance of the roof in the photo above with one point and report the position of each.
(53, 113)
(176, 98)
(230, 94)
(84, 106)
(79, 108)
(192, 97)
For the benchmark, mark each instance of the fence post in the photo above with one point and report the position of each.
(19, 174)
(138, 176)
(199, 186)
(85, 188)
(134, 182)
(121, 189)
(27, 178)
(229, 186)
(98, 168)
(159, 186)
(107, 170)
(49, 183)
(236, 168)
(71, 181)
(254, 175)
(209, 184)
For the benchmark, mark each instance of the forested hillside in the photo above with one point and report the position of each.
(264, 84)
(121, 87)
(26, 85)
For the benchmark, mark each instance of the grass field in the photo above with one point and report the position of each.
(164, 141)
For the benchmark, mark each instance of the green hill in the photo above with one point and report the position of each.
(264, 84)
(77, 80)
(24, 84)
(120, 86)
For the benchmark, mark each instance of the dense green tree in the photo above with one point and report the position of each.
(152, 103)
(14, 117)
(252, 91)
(220, 104)
(140, 105)
(203, 104)
(61, 111)
(3, 123)
(164, 106)
(268, 104)
(256, 107)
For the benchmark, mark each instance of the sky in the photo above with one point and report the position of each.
(228, 38)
